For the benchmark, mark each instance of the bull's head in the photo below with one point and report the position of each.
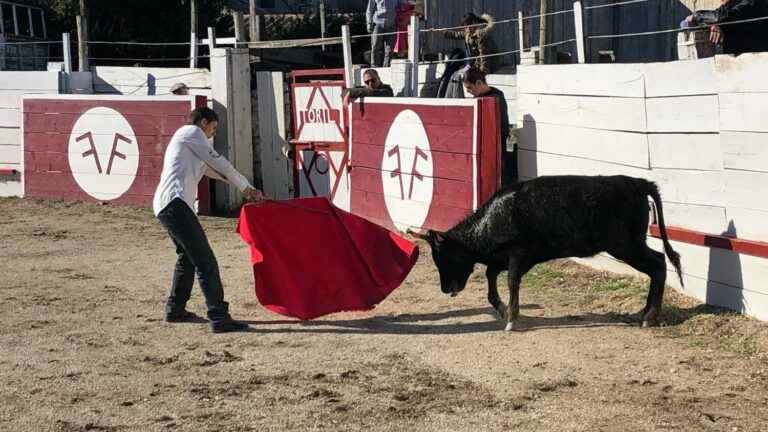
(453, 261)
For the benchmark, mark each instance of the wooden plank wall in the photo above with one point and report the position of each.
(632, 18)
(695, 128)
(147, 81)
(12, 86)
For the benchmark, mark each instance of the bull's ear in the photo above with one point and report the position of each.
(437, 237)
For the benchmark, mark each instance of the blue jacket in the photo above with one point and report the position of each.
(381, 12)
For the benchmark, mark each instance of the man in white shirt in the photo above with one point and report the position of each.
(188, 157)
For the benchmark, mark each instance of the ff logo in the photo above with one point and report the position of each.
(103, 153)
(407, 171)
(319, 120)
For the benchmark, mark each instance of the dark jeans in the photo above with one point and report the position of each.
(194, 256)
(509, 167)
(381, 46)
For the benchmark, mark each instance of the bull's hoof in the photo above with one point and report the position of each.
(510, 326)
(647, 323)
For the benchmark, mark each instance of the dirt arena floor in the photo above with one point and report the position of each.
(84, 347)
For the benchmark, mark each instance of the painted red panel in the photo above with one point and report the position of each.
(129, 137)
(370, 205)
(455, 166)
(444, 138)
(489, 176)
(447, 162)
(743, 246)
(449, 192)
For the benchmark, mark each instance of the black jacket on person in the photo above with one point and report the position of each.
(739, 38)
(382, 91)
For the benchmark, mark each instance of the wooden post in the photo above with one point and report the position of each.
(413, 55)
(2, 22)
(15, 21)
(66, 49)
(31, 23)
(211, 42)
(346, 41)
(82, 44)
(45, 28)
(521, 40)
(255, 23)
(192, 34)
(237, 18)
(322, 21)
(542, 31)
(578, 22)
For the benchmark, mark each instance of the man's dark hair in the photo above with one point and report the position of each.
(473, 75)
(198, 114)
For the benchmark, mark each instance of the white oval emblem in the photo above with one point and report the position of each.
(103, 153)
(406, 171)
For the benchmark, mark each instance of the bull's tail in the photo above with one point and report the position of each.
(673, 256)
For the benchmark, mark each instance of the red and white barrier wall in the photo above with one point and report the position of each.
(100, 148)
(422, 163)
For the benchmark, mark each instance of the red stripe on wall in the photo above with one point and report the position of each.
(743, 246)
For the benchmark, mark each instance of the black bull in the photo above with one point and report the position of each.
(555, 217)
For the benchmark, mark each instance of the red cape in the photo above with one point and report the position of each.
(311, 258)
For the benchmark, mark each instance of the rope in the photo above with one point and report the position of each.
(495, 54)
(137, 43)
(616, 4)
(441, 29)
(677, 30)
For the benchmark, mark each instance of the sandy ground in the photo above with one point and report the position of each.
(84, 347)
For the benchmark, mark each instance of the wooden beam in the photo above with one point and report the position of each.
(542, 31)
(743, 246)
(413, 55)
(237, 18)
(347, 50)
(66, 48)
(578, 22)
(322, 21)
(82, 44)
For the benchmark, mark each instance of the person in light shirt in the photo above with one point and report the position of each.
(187, 159)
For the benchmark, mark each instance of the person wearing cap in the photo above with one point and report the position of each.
(180, 89)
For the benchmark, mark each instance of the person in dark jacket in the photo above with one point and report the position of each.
(477, 38)
(476, 85)
(736, 38)
(373, 87)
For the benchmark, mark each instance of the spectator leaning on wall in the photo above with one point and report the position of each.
(373, 87)
(736, 38)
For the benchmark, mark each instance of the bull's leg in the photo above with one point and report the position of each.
(646, 260)
(493, 293)
(513, 280)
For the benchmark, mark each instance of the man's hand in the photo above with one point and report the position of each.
(253, 195)
(715, 34)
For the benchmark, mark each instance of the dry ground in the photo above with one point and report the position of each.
(84, 347)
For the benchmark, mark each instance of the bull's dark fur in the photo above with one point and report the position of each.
(555, 217)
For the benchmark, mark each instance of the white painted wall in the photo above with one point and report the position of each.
(149, 81)
(12, 86)
(696, 128)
